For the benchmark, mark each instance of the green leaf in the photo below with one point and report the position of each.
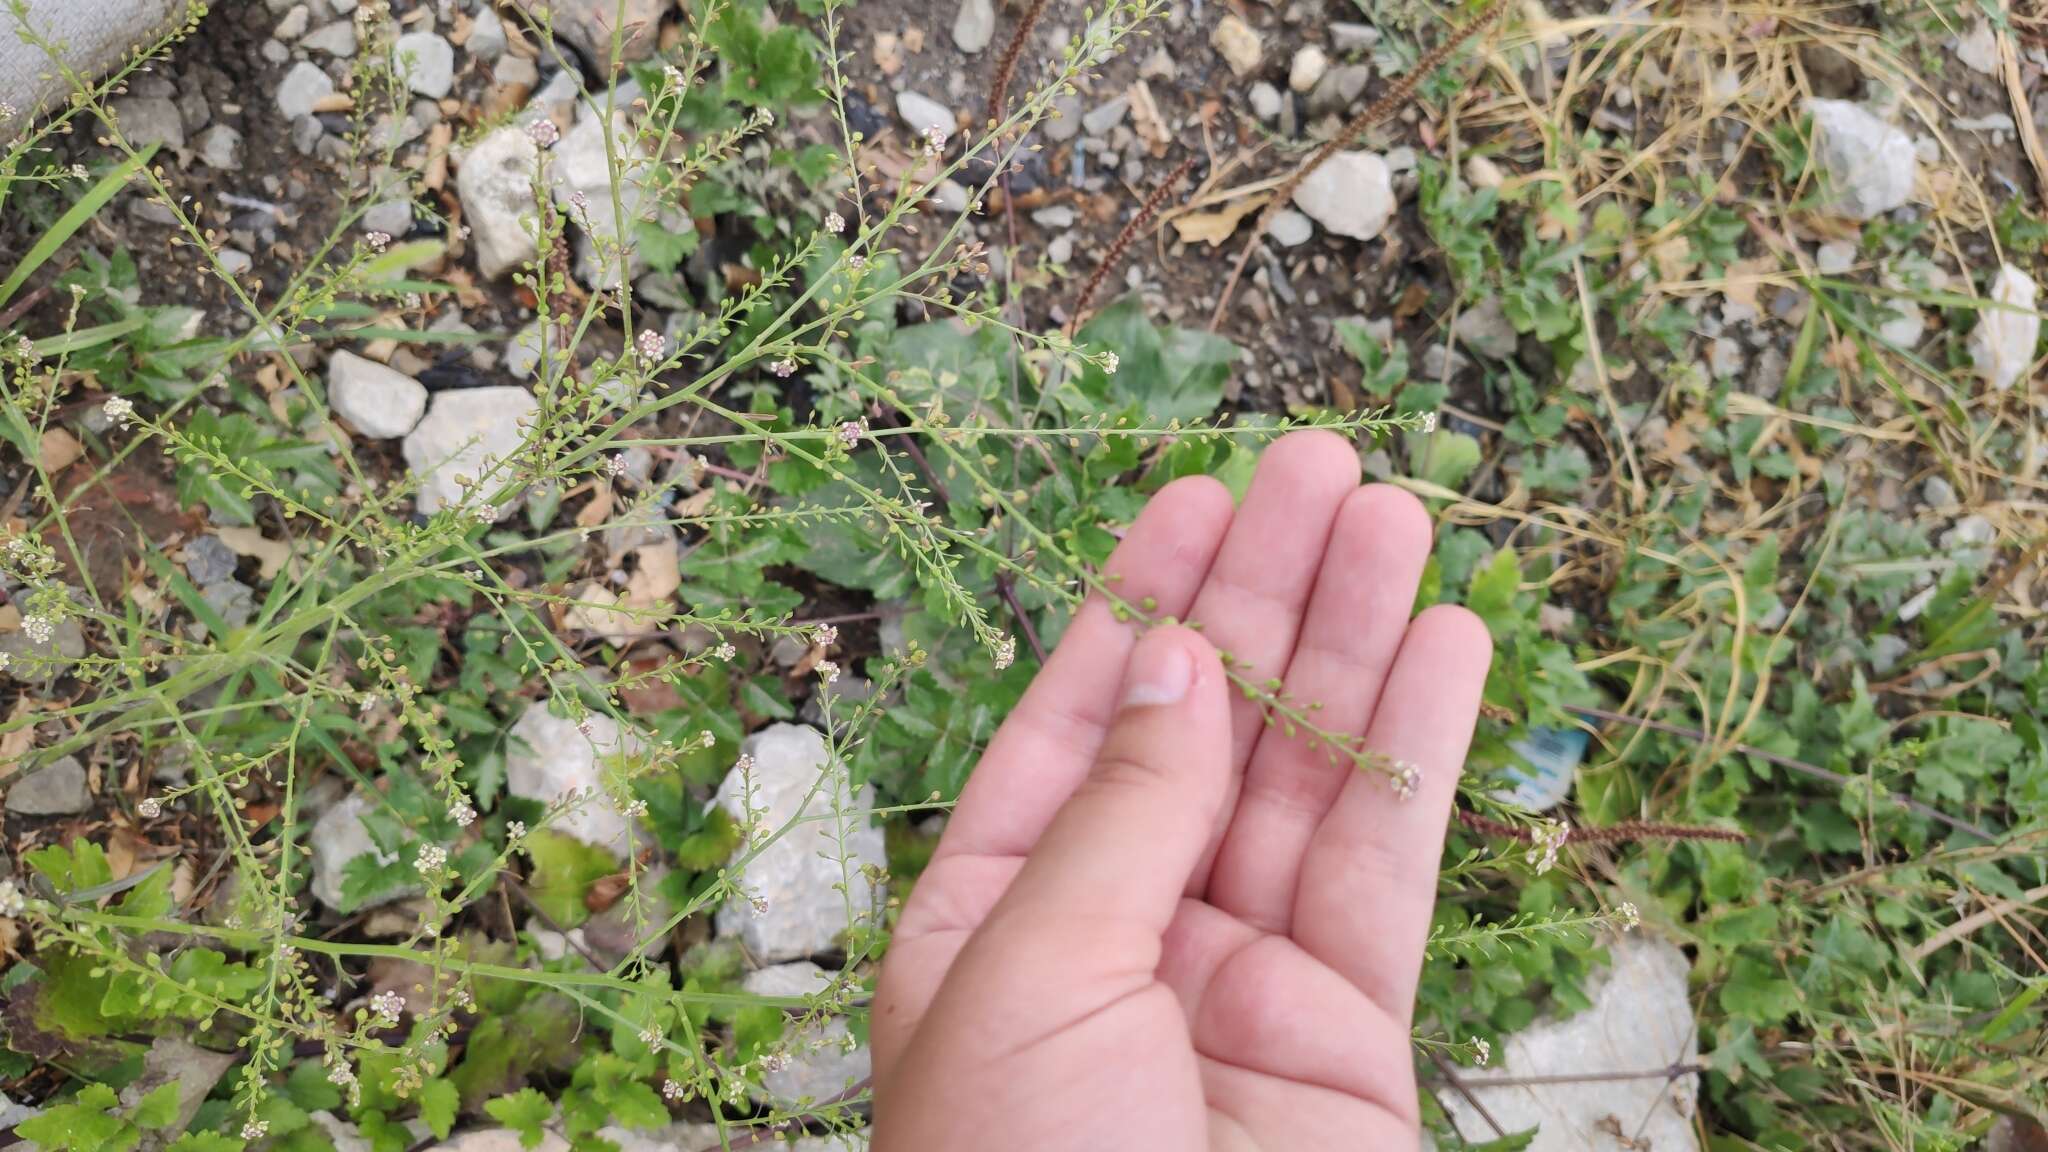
(439, 1102)
(524, 1112)
(564, 868)
(711, 845)
(83, 866)
(206, 1142)
(1177, 374)
(158, 1108)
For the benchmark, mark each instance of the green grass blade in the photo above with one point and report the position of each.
(72, 221)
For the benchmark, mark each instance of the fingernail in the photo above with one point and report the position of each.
(1160, 673)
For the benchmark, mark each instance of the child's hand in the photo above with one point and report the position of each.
(1157, 921)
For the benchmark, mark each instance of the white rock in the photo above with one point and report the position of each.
(220, 147)
(146, 120)
(494, 178)
(921, 113)
(1106, 115)
(336, 39)
(426, 62)
(589, 26)
(1978, 48)
(1054, 216)
(1351, 37)
(1351, 194)
(824, 1061)
(1308, 66)
(378, 402)
(1060, 249)
(800, 875)
(1835, 257)
(499, 1140)
(339, 837)
(794, 980)
(582, 166)
(1265, 100)
(391, 217)
(681, 1136)
(1868, 165)
(975, 26)
(294, 23)
(466, 431)
(1290, 229)
(55, 789)
(1238, 43)
(487, 40)
(1482, 172)
(1904, 326)
(302, 87)
(1063, 121)
(1641, 1018)
(550, 757)
(1484, 328)
(2002, 343)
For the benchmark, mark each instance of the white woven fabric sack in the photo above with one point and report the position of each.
(92, 38)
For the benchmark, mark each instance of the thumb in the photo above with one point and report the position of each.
(1124, 844)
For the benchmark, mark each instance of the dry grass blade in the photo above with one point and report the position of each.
(1379, 110)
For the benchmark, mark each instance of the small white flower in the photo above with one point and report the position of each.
(1006, 652)
(6, 658)
(1406, 779)
(637, 808)
(119, 409)
(12, 902)
(586, 727)
(1109, 363)
(774, 1061)
(1626, 914)
(744, 764)
(255, 1129)
(486, 513)
(673, 75)
(432, 859)
(651, 1036)
(150, 808)
(651, 344)
(26, 349)
(826, 635)
(1545, 842)
(835, 223)
(672, 1091)
(850, 433)
(378, 241)
(829, 671)
(543, 132)
(855, 261)
(580, 201)
(785, 367)
(387, 1006)
(39, 628)
(725, 651)
(935, 140)
(1481, 1051)
(78, 172)
(460, 811)
(515, 830)
(1429, 421)
(616, 465)
(6, 110)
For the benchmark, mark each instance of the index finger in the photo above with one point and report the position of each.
(1049, 741)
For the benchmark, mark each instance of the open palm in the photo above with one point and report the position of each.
(1155, 921)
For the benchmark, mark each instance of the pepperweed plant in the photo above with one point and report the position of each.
(793, 452)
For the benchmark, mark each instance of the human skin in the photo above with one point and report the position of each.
(1155, 921)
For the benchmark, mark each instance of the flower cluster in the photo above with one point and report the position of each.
(387, 1006)
(651, 344)
(1545, 842)
(543, 132)
(431, 860)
